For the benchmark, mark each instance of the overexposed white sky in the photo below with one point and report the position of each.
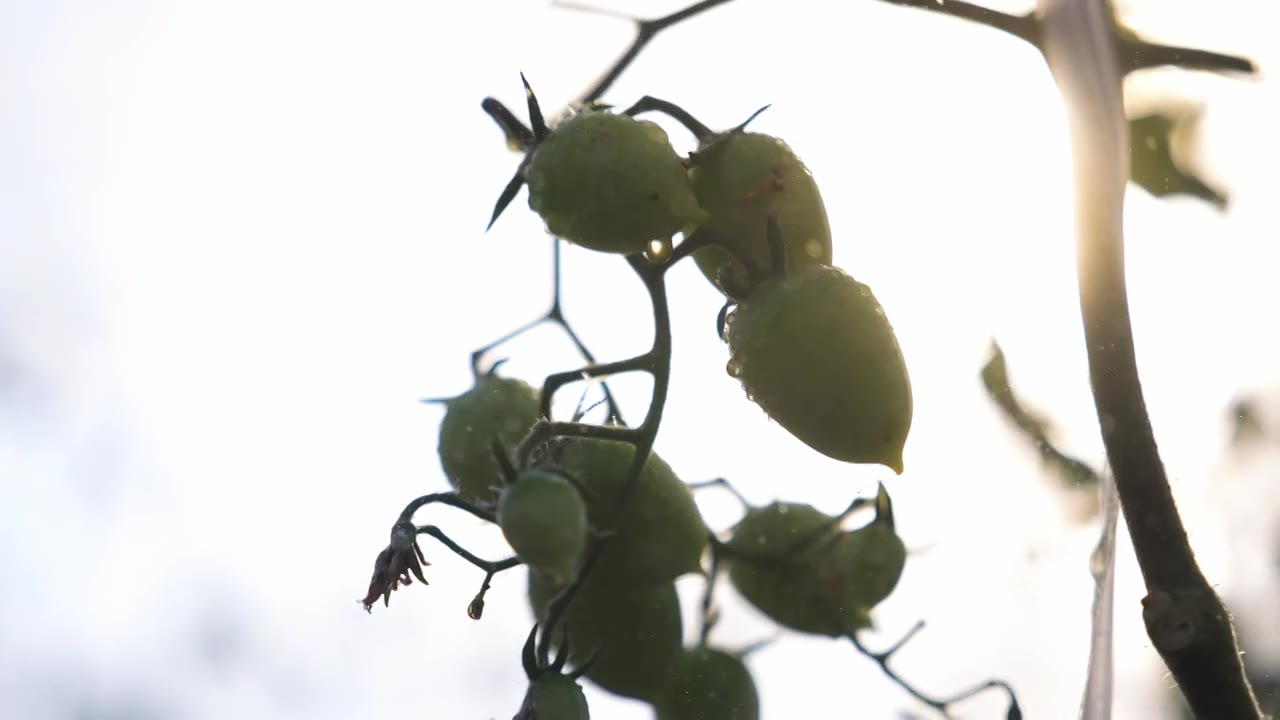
(238, 240)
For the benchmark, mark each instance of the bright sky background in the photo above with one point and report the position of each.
(238, 240)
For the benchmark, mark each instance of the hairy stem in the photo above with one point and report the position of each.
(1185, 618)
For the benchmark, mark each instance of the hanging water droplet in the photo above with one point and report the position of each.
(734, 368)
(657, 250)
(728, 319)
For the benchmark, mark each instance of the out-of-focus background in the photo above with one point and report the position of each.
(239, 240)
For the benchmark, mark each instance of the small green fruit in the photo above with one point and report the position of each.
(710, 684)
(870, 561)
(660, 534)
(495, 406)
(634, 632)
(554, 697)
(816, 352)
(793, 588)
(610, 182)
(545, 522)
(739, 178)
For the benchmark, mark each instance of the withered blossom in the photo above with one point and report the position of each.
(394, 565)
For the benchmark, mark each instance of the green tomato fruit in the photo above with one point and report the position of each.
(634, 632)
(610, 182)
(869, 562)
(793, 588)
(554, 697)
(499, 406)
(709, 684)
(816, 352)
(660, 535)
(739, 178)
(545, 521)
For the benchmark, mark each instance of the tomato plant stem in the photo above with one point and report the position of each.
(450, 498)
(942, 705)
(1134, 53)
(658, 360)
(1185, 619)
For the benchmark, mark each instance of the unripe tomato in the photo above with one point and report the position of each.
(816, 352)
(739, 178)
(660, 534)
(545, 522)
(709, 684)
(610, 182)
(499, 406)
(634, 631)
(794, 589)
(554, 697)
(869, 562)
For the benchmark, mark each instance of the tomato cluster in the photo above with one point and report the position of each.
(604, 525)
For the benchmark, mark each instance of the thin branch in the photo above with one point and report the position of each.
(553, 315)
(1134, 52)
(720, 483)
(942, 705)
(450, 498)
(646, 31)
(1138, 54)
(489, 566)
(642, 438)
(1023, 27)
(1185, 618)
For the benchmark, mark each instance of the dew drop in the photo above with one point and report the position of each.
(734, 368)
(813, 248)
(657, 250)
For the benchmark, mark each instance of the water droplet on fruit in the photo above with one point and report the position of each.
(657, 250)
(728, 319)
(734, 368)
(813, 248)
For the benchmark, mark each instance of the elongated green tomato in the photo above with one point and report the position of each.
(660, 535)
(633, 631)
(739, 178)
(709, 684)
(782, 571)
(553, 696)
(545, 521)
(611, 183)
(496, 406)
(816, 352)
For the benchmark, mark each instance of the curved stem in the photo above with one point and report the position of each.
(646, 31)
(641, 438)
(554, 315)
(942, 705)
(648, 103)
(452, 499)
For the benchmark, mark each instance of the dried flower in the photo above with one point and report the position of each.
(394, 565)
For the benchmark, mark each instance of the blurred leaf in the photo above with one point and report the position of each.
(1152, 161)
(1246, 422)
(1072, 472)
